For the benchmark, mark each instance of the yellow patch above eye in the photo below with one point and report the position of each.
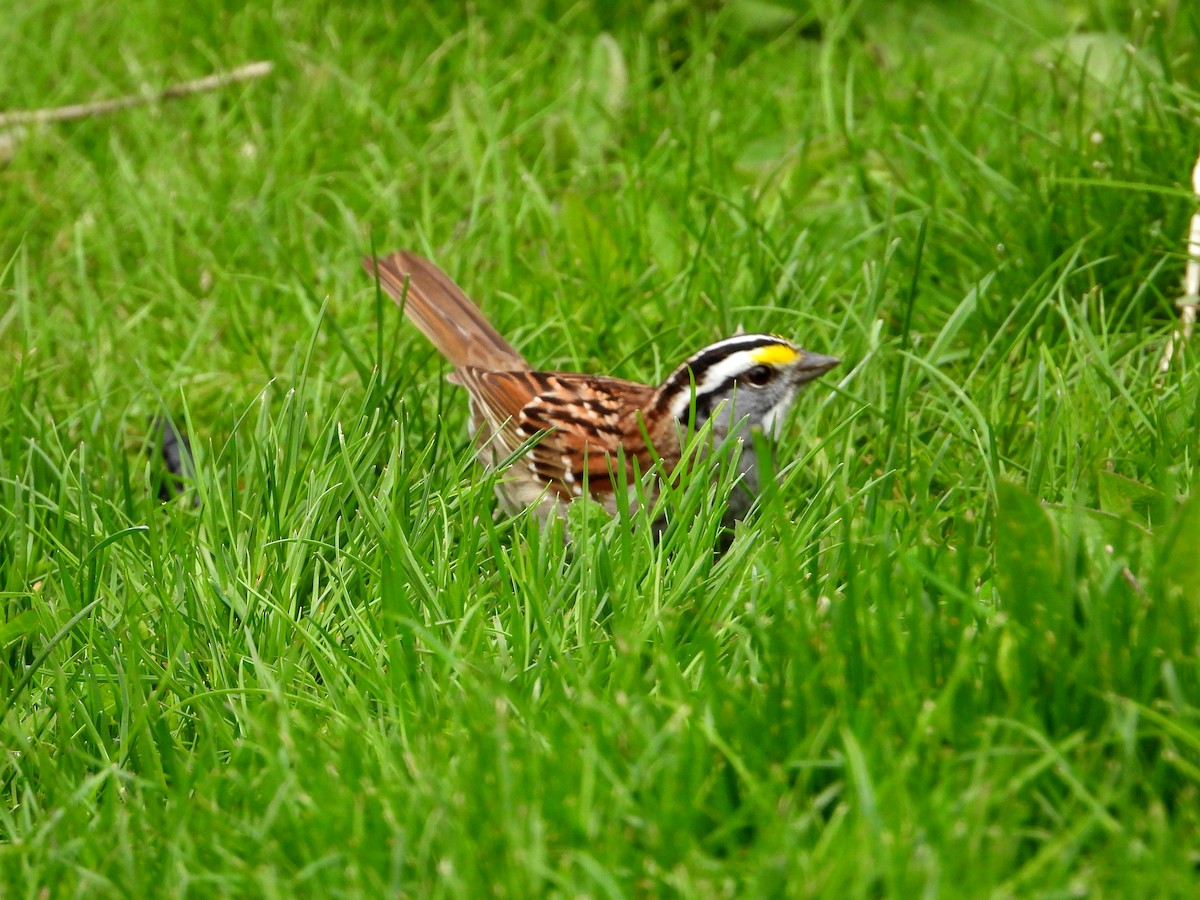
(774, 355)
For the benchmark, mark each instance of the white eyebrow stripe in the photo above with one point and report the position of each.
(716, 377)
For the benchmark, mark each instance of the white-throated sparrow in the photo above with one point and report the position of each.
(583, 428)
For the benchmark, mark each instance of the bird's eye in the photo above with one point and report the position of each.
(759, 375)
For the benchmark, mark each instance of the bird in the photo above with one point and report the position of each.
(566, 434)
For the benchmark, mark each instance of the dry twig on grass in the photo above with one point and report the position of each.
(12, 124)
(75, 111)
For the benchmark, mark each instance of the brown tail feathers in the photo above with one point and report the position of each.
(439, 308)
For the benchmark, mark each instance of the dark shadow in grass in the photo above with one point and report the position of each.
(175, 454)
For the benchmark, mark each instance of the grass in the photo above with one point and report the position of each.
(953, 652)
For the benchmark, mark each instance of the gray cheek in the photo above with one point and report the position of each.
(749, 408)
(722, 418)
(733, 417)
(765, 408)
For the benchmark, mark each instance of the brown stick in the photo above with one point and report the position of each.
(77, 111)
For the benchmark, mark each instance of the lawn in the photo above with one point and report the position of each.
(955, 649)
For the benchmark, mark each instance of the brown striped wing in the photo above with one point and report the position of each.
(586, 426)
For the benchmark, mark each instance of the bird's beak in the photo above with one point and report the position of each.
(813, 365)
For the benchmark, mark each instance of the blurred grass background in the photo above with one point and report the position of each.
(954, 653)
